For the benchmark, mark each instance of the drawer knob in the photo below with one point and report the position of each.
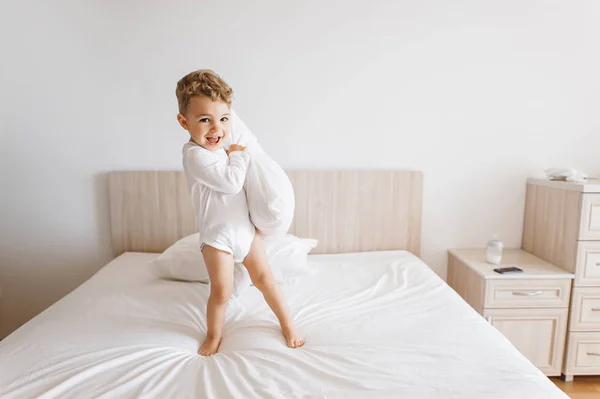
(595, 309)
(593, 354)
(527, 293)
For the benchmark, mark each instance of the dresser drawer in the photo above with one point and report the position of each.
(588, 263)
(583, 353)
(585, 309)
(589, 228)
(527, 293)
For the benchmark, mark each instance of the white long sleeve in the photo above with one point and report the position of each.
(215, 182)
(204, 167)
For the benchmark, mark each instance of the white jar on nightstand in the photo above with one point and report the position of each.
(493, 253)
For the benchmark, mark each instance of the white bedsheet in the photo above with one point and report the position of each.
(378, 325)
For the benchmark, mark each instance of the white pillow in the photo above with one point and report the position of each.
(269, 191)
(287, 256)
(182, 261)
(270, 195)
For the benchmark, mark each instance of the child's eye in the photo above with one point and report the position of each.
(204, 120)
(224, 119)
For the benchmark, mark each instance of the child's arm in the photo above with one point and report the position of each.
(227, 179)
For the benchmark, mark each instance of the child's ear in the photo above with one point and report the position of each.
(182, 121)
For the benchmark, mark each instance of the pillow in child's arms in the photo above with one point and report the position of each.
(183, 260)
(270, 195)
(268, 189)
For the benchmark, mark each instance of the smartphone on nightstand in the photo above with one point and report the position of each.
(506, 270)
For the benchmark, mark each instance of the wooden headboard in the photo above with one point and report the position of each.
(347, 211)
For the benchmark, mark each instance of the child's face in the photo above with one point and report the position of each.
(207, 121)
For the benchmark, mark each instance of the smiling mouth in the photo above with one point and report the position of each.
(214, 140)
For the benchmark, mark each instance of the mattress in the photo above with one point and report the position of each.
(377, 325)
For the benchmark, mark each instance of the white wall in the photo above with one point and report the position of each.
(478, 95)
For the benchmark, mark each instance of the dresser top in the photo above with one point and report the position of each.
(533, 267)
(591, 186)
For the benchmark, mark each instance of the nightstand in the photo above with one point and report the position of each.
(530, 308)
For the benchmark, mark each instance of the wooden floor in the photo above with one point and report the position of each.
(580, 387)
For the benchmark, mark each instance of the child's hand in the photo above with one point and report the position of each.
(236, 147)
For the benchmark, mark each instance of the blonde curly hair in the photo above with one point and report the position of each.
(203, 82)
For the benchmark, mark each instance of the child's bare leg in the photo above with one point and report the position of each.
(220, 271)
(258, 267)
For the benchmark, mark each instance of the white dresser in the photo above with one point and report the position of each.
(562, 226)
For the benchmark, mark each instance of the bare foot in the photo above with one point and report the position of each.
(292, 337)
(209, 346)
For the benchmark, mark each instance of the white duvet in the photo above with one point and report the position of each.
(377, 325)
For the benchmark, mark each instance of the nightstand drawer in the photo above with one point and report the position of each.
(589, 228)
(539, 334)
(585, 309)
(588, 263)
(527, 293)
(583, 355)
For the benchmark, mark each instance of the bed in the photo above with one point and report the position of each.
(379, 323)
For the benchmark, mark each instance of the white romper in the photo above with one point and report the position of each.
(216, 184)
